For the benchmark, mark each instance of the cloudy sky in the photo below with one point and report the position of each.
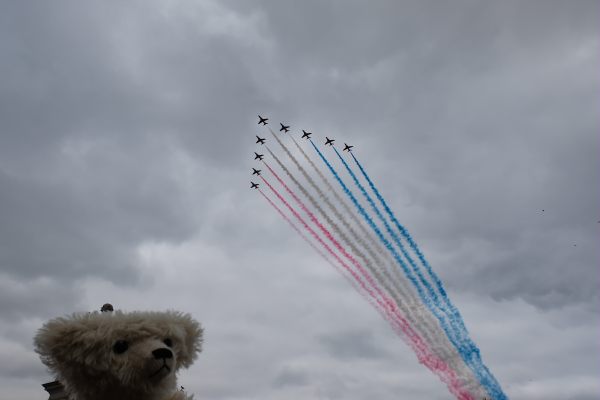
(126, 141)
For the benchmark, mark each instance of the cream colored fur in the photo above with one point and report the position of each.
(80, 349)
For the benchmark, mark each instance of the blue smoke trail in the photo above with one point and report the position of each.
(412, 244)
(388, 245)
(466, 344)
(414, 267)
(465, 353)
(431, 273)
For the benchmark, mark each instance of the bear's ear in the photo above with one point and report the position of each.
(53, 342)
(66, 341)
(190, 335)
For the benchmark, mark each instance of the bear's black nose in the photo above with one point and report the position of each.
(162, 353)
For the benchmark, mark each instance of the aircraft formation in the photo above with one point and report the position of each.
(370, 247)
(285, 128)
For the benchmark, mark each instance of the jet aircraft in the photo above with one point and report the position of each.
(329, 141)
(262, 120)
(255, 171)
(253, 185)
(258, 157)
(306, 134)
(260, 140)
(285, 128)
(347, 148)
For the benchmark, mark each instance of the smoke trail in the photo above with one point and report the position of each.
(416, 270)
(314, 234)
(449, 332)
(466, 347)
(466, 344)
(331, 223)
(324, 197)
(374, 227)
(400, 292)
(298, 231)
(399, 324)
(329, 236)
(340, 270)
(491, 380)
(412, 244)
(377, 272)
(397, 278)
(397, 293)
(421, 323)
(310, 198)
(341, 201)
(376, 255)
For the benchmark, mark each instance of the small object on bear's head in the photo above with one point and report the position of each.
(107, 307)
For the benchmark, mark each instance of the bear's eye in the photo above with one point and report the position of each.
(168, 342)
(120, 346)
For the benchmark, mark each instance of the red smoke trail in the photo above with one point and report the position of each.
(386, 306)
(289, 221)
(377, 272)
(334, 265)
(386, 273)
(390, 303)
(365, 233)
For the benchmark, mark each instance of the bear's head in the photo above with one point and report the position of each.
(117, 355)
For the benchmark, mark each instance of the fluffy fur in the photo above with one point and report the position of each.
(119, 356)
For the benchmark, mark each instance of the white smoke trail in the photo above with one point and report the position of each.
(389, 264)
(401, 291)
(392, 313)
(421, 316)
(335, 266)
(381, 276)
(384, 280)
(340, 200)
(380, 265)
(344, 238)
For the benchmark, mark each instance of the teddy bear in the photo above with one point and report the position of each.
(115, 355)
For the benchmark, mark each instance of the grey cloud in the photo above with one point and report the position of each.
(352, 345)
(505, 121)
(66, 227)
(36, 298)
(290, 377)
(125, 124)
(23, 365)
(69, 77)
